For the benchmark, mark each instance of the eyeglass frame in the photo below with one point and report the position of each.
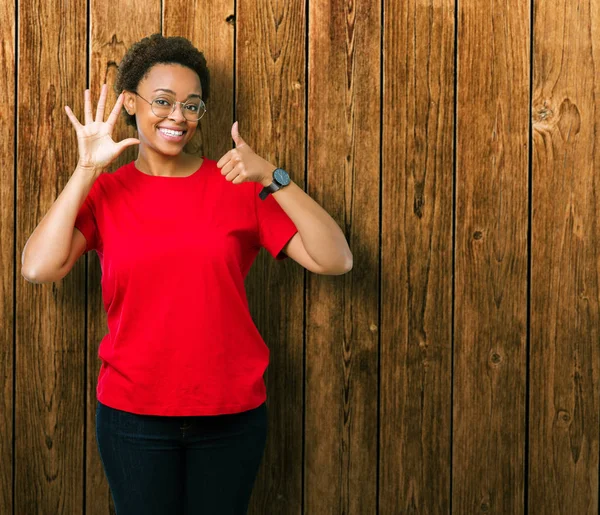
(175, 102)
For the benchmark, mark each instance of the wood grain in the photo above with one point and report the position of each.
(342, 311)
(210, 26)
(270, 107)
(110, 37)
(9, 265)
(400, 387)
(488, 439)
(565, 259)
(416, 250)
(50, 318)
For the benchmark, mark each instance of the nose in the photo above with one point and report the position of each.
(177, 114)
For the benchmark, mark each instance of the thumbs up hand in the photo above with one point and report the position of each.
(241, 164)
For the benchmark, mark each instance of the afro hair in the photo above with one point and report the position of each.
(155, 49)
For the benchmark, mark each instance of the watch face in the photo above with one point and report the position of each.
(281, 176)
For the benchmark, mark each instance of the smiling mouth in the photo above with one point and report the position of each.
(172, 133)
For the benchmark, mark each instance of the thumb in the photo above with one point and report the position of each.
(235, 134)
(122, 145)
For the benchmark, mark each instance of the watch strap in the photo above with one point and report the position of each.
(271, 188)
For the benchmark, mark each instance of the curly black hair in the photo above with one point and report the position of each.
(155, 49)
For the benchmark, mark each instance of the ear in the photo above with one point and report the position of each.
(129, 102)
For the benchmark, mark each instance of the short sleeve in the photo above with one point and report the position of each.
(86, 219)
(275, 227)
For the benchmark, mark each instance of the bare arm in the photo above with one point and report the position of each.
(49, 246)
(55, 244)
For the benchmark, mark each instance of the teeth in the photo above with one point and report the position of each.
(170, 132)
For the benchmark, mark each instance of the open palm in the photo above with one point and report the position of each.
(94, 139)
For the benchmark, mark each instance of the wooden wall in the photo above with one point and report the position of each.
(457, 144)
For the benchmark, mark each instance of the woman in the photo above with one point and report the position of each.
(181, 419)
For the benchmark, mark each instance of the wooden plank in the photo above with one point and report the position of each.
(565, 259)
(416, 249)
(342, 311)
(7, 251)
(110, 37)
(210, 27)
(50, 318)
(270, 108)
(491, 258)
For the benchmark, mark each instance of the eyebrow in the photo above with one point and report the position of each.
(171, 91)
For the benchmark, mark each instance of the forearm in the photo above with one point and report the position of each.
(322, 237)
(48, 247)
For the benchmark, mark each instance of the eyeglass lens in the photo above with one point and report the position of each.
(192, 110)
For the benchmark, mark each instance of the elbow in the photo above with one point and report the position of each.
(342, 269)
(26, 270)
(33, 276)
(347, 265)
(28, 275)
(39, 272)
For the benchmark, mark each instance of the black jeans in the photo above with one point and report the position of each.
(164, 465)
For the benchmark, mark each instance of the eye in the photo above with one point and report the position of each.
(162, 102)
(192, 107)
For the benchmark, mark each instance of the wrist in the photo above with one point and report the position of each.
(266, 181)
(88, 169)
(268, 178)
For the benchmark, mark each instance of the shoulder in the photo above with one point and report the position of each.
(107, 177)
(107, 182)
(119, 173)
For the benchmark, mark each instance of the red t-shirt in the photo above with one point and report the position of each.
(174, 252)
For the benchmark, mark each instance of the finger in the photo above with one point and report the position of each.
(101, 103)
(239, 179)
(227, 168)
(122, 145)
(88, 107)
(72, 118)
(232, 175)
(114, 114)
(223, 160)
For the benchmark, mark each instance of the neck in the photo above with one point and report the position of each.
(154, 163)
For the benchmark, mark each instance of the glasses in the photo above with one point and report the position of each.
(162, 107)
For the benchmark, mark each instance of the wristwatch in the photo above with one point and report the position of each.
(280, 180)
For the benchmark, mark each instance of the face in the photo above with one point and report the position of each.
(183, 84)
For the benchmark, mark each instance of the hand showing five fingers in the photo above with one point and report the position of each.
(94, 139)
